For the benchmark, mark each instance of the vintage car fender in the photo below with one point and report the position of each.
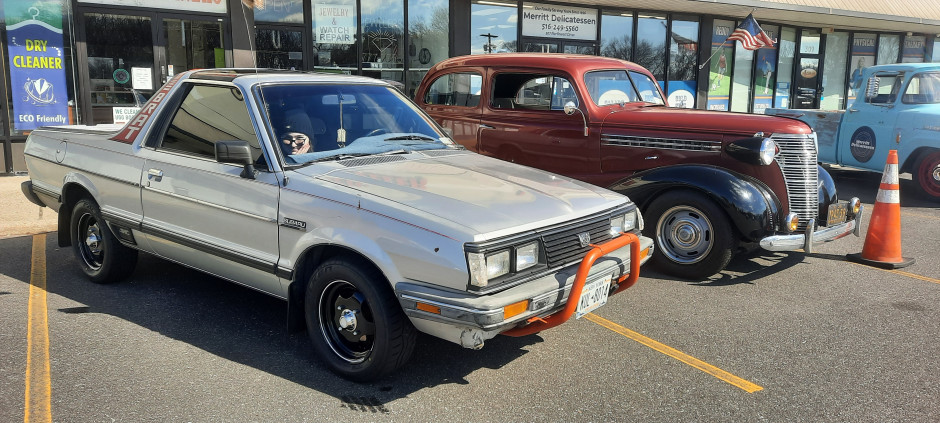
(70, 183)
(751, 206)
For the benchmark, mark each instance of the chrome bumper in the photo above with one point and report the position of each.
(810, 238)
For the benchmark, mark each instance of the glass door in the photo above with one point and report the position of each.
(120, 68)
(191, 44)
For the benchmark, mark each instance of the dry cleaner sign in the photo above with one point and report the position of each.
(553, 21)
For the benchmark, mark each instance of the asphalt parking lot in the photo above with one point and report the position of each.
(775, 337)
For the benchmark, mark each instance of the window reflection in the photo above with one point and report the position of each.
(493, 27)
(428, 32)
(683, 60)
(383, 23)
(617, 35)
(285, 11)
(279, 49)
(651, 44)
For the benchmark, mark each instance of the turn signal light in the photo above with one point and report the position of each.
(428, 308)
(515, 309)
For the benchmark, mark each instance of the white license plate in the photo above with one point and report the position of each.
(593, 296)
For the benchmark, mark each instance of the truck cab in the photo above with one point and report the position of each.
(897, 108)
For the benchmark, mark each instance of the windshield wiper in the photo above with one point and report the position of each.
(411, 138)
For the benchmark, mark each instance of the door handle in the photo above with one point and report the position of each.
(485, 126)
(853, 110)
(155, 173)
(651, 157)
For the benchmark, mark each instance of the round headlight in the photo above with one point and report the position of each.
(768, 150)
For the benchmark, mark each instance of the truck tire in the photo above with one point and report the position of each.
(693, 235)
(927, 175)
(100, 255)
(354, 321)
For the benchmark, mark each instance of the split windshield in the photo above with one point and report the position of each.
(322, 122)
(620, 87)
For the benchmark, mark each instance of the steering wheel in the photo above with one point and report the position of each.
(375, 131)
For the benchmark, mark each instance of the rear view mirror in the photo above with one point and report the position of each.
(332, 100)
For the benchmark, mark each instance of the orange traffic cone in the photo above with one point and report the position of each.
(883, 241)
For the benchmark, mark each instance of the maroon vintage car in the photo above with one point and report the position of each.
(708, 183)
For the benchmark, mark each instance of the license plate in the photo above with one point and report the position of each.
(593, 296)
(837, 213)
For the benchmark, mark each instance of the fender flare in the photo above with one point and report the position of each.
(71, 182)
(750, 205)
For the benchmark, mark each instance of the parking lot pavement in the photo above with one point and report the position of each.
(17, 215)
(822, 339)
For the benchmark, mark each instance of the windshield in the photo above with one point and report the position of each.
(319, 122)
(924, 88)
(615, 87)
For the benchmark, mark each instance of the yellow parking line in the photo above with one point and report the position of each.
(916, 276)
(38, 380)
(678, 355)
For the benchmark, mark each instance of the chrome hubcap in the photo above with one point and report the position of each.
(93, 240)
(684, 234)
(347, 320)
(936, 173)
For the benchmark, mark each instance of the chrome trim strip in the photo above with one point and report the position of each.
(450, 306)
(86, 171)
(661, 143)
(208, 204)
(215, 250)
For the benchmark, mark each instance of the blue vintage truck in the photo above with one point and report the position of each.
(897, 108)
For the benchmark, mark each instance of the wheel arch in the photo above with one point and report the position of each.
(915, 156)
(75, 188)
(750, 205)
(307, 263)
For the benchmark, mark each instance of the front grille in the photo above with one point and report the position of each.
(797, 160)
(562, 245)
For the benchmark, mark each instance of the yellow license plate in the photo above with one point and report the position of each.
(837, 213)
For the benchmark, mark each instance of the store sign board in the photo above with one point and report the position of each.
(554, 21)
(37, 64)
(208, 6)
(334, 23)
(122, 115)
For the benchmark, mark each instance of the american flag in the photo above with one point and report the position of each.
(750, 35)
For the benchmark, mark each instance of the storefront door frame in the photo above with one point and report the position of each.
(156, 17)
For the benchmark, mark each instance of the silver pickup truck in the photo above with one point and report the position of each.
(340, 196)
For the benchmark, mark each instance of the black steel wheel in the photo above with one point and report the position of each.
(355, 322)
(694, 238)
(100, 255)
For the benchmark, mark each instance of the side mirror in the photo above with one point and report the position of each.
(872, 90)
(236, 152)
(570, 108)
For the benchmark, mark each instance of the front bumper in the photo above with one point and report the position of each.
(812, 237)
(546, 295)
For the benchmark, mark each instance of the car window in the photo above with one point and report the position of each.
(610, 87)
(455, 89)
(924, 88)
(210, 113)
(649, 91)
(888, 87)
(345, 120)
(532, 91)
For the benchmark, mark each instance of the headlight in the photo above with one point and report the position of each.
(485, 267)
(623, 223)
(768, 150)
(527, 256)
(757, 150)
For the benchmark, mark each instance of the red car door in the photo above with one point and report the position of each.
(453, 100)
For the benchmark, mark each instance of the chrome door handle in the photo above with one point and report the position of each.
(651, 157)
(485, 126)
(853, 110)
(155, 173)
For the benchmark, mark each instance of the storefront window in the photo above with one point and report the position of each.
(888, 48)
(936, 50)
(617, 35)
(787, 50)
(863, 56)
(651, 44)
(383, 39)
(283, 11)
(718, 65)
(493, 27)
(193, 44)
(741, 89)
(113, 61)
(766, 71)
(428, 32)
(915, 47)
(334, 36)
(833, 78)
(683, 61)
(279, 49)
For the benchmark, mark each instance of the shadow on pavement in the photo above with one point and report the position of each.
(247, 327)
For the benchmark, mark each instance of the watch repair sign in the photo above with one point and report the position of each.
(37, 64)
